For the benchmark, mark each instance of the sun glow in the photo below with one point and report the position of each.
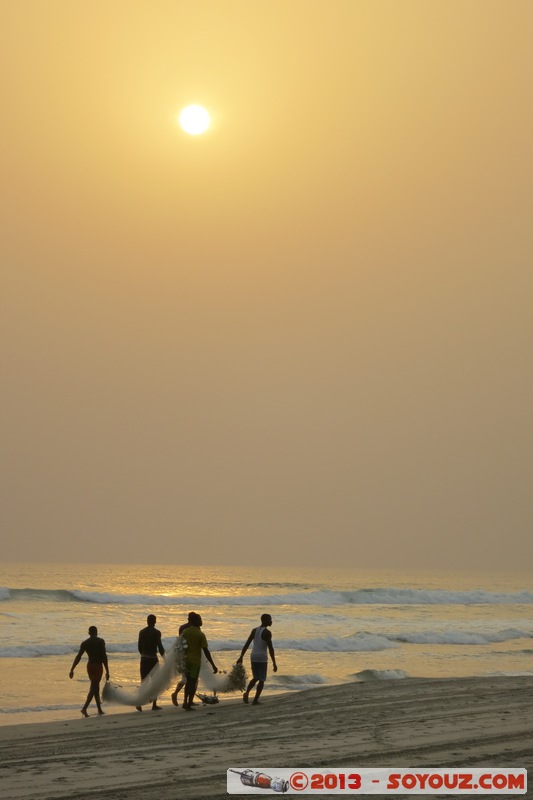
(194, 120)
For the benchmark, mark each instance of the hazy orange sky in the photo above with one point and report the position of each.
(302, 338)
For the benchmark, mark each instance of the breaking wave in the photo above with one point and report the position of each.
(31, 709)
(460, 637)
(361, 641)
(380, 675)
(297, 681)
(357, 642)
(324, 598)
(348, 644)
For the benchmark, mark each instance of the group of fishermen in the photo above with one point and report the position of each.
(150, 645)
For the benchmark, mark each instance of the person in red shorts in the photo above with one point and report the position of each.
(94, 646)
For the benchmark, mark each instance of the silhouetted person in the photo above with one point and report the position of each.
(183, 680)
(94, 646)
(149, 644)
(196, 643)
(262, 643)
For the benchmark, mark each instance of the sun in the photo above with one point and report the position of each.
(194, 120)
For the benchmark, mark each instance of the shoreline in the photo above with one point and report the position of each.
(429, 722)
(35, 714)
(12, 718)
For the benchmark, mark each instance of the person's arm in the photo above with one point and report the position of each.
(267, 637)
(139, 642)
(160, 646)
(76, 661)
(208, 656)
(246, 646)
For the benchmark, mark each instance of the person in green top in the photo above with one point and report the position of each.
(196, 642)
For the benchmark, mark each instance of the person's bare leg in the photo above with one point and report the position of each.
(190, 691)
(88, 700)
(174, 695)
(95, 686)
(248, 690)
(255, 701)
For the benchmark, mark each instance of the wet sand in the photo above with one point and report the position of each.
(173, 754)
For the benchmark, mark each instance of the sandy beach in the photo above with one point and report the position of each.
(170, 753)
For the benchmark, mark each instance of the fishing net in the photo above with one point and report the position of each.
(232, 681)
(167, 671)
(157, 682)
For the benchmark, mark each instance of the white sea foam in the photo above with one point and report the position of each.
(33, 709)
(319, 598)
(361, 641)
(434, 597)
(428, 624)
(357, 642)
(380, 675)
(460, 637)
(37, 651)
(298, 681)
(348, 644)
(390, 596)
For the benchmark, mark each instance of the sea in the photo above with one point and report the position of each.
(329, 626)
